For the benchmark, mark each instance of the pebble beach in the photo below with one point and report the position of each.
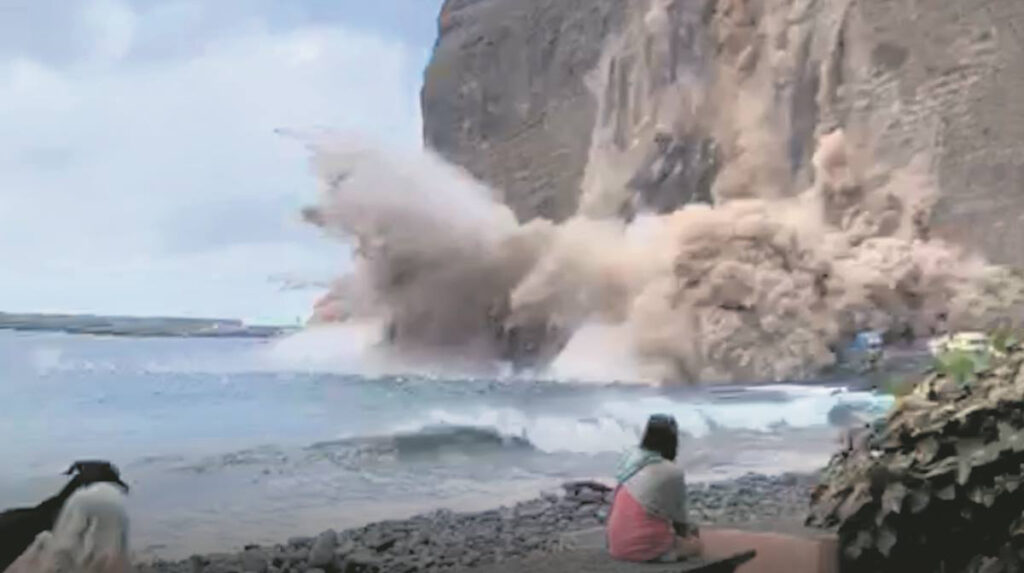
(447, 541)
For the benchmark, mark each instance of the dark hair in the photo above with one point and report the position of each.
(661, 436)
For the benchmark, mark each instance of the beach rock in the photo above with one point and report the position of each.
(301, 541)
(196, 563)
(345, 548)
(322, 553)
(297, 556)
(255, 561)
(362, 563)
(214, 563)
(575, 488)
(445, 540)
(589, 496)
(223, 567)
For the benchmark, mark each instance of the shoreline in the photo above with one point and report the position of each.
(443, 540)
(138, 327)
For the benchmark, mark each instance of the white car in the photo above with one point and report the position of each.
(969, 342)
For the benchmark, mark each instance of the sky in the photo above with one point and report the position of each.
(140, 171)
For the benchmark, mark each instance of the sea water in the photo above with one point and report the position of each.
(224, 446)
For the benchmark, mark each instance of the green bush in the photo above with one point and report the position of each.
(963, 367)
(938, 484)
(1004, 339)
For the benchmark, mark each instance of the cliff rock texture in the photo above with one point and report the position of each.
(505, 94)
(689, 191)
(703, 100)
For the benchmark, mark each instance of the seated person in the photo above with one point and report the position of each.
(648, 520)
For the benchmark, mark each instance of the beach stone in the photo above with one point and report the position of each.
(402, 565)
(471, 558)
(322, 553)
(301, 541)
(444, 540)
(345, 548)
(361, 563)
(590, 496)
(297, 555)
(418, 538)
(221, 563)
(255, 561)
(452, 553)
(223, 567)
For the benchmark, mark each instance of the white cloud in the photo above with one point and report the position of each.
(125, 183)
(112, 29)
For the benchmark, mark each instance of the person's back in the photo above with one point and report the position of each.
(649, 508)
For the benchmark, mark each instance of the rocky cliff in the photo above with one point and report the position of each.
(702, 100)
(505, 94)
(690, 190)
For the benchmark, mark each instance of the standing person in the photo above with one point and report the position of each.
(648, 519)
(90, 536)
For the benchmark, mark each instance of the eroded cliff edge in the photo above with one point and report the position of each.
(512, 94)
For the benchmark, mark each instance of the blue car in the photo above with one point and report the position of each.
(864, 352)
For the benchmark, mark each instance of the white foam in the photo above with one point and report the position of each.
(616, 424)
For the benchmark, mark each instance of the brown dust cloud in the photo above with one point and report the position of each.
(760, 283)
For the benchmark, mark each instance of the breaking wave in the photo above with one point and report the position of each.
(615, 425)
(432, 440)
(429, 443)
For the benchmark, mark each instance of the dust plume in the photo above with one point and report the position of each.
(699, 253)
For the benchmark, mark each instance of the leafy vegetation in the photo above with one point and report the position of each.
(936, 484)
(1004, 339)
(963, 367)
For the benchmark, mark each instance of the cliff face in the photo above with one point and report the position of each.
(604, 107)
(505, 95)
(838, 143)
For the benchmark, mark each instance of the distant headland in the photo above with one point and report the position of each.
(139, 326)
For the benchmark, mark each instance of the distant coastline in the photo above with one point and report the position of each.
(171, 327)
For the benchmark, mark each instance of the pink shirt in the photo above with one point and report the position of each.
(633, 533)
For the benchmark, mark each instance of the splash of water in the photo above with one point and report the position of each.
(760, 280)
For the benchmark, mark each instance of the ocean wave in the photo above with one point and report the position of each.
(606, 423)
(616, 424)
(457, 438)
(431, 440)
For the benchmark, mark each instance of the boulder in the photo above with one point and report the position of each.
(322, 553)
